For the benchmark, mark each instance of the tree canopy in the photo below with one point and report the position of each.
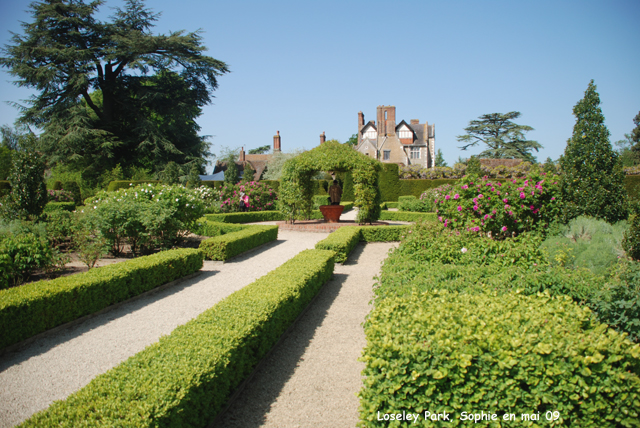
(260, 150)
(112, 92)
(504, 139)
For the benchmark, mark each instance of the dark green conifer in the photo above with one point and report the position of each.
(592, 176)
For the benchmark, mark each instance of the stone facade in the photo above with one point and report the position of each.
(403, 143)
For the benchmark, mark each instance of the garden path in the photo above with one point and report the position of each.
(312, 376)
(58, 364)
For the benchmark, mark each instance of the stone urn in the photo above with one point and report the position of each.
(331, 213)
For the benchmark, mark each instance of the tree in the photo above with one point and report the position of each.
(353, 141)
(193, 178)
(440, 159)
(635, 133)
(276, 162)
(171, 174)
(28, 190)
(112, 92)
(592, 180)
(260, 150)
(231, 175)
(505, 139)
(625, 151)
(474, 167)
(248, 172)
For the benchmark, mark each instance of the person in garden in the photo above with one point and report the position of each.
(244, 202)
(335, 193)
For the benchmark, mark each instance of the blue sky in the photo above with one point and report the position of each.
(304, 67)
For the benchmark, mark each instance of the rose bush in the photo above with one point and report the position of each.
(261, 197)
(145, 217)
(502, 209)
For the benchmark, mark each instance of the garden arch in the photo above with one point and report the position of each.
(296, 188)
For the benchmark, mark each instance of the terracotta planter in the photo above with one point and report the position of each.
(331, 213)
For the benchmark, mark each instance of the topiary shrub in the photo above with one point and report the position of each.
(592, 180)
(389, 182)
(631, 240)
(56, 185)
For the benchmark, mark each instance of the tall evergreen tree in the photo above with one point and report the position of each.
(112, 92)
(439, 161)
(504, 139)
(592, 177)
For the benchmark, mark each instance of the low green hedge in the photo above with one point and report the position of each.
(208, 228)
(497, 353)
(187, 377)
(389, 204)
(125, 184)
(33, 308)
(407, 216)
(59, 206)
(248, 217)
(344, 240)
(225, 246)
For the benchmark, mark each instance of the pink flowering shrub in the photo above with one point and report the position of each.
(60, 196)
(261, 197)
(502, 208)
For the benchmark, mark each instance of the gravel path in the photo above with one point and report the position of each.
(59, 364)
(312, 377)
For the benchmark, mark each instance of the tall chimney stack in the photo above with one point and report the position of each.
(241, 157)
(322, 138)
(276, 142)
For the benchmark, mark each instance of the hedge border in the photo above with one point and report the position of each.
(172, 382)
(407, 216)
(228, 245)
(40, 306)
(258, 216)
(344, 240)
(59, 206)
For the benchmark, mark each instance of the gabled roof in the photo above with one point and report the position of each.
(374, 143)
(370, 124)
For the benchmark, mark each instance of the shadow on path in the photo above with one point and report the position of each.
(249, 410)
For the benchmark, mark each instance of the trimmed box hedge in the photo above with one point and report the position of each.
(187, 377)
(407, 216)
(499, 353)
(223, 247)
(34, 308)
(344, 240)
(246, 217)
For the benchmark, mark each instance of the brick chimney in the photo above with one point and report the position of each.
(415, 121)
(241, 157)
(322, 138)
(360, 125)
(276, 142)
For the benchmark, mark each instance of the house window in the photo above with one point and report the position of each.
(386, 155)
(371, 134)
(414, 153)
(405, 133)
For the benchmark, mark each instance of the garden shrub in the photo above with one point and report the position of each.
(261, 197)
(39, 306)
(248, 217)
(5, 188)
(61, 226)
(387, 205)
(56, 185)
(20, 256)
(145, 217)
(631, 239)
(588, 243)
(406, 198)
(73, 188)
(223, 247)
(187, 377)
(502, 209)
(413, 205)
(28, 190)
(503, 354)
(127, 184)
(592, 181)
(429, 197)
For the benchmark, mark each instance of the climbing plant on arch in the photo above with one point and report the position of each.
(296, 188)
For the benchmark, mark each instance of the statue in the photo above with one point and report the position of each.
(335, 193)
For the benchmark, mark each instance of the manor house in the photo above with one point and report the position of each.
(403, 143)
